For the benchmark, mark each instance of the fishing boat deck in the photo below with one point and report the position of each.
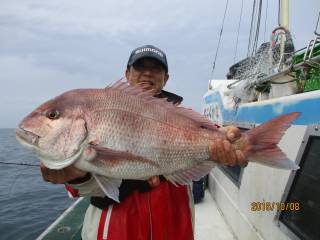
(209, 222)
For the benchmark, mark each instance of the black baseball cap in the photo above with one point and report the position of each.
(148, 51)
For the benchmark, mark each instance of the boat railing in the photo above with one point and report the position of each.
(309, 52)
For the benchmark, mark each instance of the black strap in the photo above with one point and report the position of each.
(126, 188)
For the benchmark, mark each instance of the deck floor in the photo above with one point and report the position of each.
(209, 222)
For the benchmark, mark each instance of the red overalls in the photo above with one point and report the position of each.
(163, 213)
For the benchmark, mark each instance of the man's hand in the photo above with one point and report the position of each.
(222, 151)
(69, 174)
(232, 133)
(154, 181)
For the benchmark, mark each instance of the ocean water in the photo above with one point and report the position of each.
(27, 204)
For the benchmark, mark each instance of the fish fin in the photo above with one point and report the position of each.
(110, 186)
(107, 154)
(112, 84)
(186, 176)
(201, 121)
(138, 91)
(263, 142)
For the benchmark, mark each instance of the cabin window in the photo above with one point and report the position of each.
(301, 218)
(234, 173)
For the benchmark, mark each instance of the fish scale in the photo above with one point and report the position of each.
(142, 140)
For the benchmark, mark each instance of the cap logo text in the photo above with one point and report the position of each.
(149, 50)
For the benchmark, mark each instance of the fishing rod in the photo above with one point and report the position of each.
(20, 164)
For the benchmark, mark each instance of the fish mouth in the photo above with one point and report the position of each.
(26, 137)
(31, 140)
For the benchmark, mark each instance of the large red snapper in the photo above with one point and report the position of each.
(123, 132)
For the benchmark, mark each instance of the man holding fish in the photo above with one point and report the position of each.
(135, 154)
(147, 65)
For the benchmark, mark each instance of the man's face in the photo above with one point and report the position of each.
(147, 70)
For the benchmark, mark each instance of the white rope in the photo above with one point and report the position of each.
(239, 24)
(218, 47)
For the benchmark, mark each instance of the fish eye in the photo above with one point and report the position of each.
(53, 114)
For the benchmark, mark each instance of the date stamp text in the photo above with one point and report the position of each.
(278, 206)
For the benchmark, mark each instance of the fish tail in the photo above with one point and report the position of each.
(263, 142)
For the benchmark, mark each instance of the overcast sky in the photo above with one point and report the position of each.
(48, 47)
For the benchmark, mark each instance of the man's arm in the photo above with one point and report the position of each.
(78, 183)
(68, 174)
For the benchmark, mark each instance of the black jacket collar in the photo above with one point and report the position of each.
(171, 97)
